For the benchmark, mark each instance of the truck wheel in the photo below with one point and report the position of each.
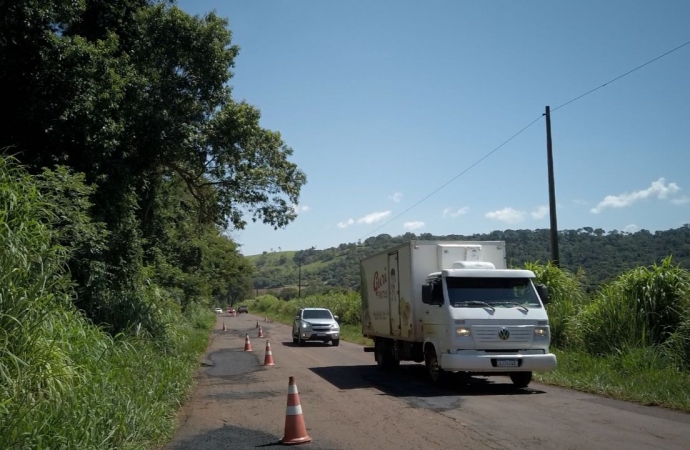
(521, 379)
(384, 358)
(335, 342)
(437, 375)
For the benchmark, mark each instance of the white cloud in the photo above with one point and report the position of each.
(508, 215)
(413, 225)
(658, 189)
(396, 197)
(373, 217)
(345, 224)
(297, 208)
(540, 212)
(449, 212)
(681, 200)
(630, 228)
(580, 202)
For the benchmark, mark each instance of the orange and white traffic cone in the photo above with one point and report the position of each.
(247, 344)
(265, 319)
(295, 429)
(261, 332)
(268, 359)
(224, 329)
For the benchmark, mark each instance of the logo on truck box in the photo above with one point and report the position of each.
(380, 281)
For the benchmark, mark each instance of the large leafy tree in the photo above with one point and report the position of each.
(134, 94)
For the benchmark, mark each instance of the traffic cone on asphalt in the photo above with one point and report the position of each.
(257, 324)
(261, 332)
(265, 319)
(234, 314)
(268, 360)
(247, 344)
(295, 430)
(224, 329)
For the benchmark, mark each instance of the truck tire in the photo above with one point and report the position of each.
(384, 356)
(335, 342)
(437, 375)
(521, 379)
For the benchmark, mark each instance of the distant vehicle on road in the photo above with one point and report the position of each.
(231, 310)
(315, 324)
(219, 311)
(242, 309)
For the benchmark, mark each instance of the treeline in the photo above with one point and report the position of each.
(125, 160)
(598, 256)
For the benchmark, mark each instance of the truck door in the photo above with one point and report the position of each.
(394, 293)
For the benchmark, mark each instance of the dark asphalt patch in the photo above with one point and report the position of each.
(232, 362)
(247, 395)
(236, 438)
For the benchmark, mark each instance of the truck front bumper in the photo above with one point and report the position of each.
(494, 362)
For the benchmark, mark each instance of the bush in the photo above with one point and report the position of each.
(566, 295)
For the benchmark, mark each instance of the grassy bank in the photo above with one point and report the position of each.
(64, 381)
(637, 376)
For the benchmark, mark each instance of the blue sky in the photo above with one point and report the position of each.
(385, 101)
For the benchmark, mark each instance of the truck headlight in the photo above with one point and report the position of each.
(305, 325)
(462, 331)
(334, 326)
(541, 331)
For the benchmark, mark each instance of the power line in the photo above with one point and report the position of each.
(620, 76)
(520, 132)
(458, 175)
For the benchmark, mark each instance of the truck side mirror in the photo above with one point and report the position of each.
(337, 319)
(543, 292)
(426, 294)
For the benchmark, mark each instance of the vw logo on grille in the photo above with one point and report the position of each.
(504, 334)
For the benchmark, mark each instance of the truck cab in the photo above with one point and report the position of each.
(479, 319)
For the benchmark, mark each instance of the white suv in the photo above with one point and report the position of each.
(315, 324)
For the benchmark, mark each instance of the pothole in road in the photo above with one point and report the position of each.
(232, 363)
(438, 404)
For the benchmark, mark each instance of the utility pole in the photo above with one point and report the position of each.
(552, 192)
(299, 280)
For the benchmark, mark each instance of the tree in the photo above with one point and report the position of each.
(134, 94)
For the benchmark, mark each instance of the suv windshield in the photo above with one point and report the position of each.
(316, 314)
(496, 292)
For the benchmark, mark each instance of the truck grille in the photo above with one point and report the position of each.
(501, 336)
(321, 328)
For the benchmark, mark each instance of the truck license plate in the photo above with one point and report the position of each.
(506, 363)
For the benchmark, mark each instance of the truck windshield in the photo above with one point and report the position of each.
(496, 292)
(316, 314)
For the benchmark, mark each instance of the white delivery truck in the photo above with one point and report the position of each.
(455, 306)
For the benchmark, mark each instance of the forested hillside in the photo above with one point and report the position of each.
(599, 254)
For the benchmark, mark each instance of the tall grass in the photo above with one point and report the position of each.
(566, 297)
(64, 382)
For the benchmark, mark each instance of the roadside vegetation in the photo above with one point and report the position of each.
(124, 160)
(629, 340)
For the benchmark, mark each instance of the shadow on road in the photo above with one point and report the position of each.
(231, 437)
(410, 380)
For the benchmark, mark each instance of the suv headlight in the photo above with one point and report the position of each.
(334, 326)
(462, 331)
(541, 331)
(305, 324)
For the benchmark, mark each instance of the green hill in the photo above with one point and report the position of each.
(601, 255)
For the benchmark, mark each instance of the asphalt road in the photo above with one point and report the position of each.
(348, 403)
